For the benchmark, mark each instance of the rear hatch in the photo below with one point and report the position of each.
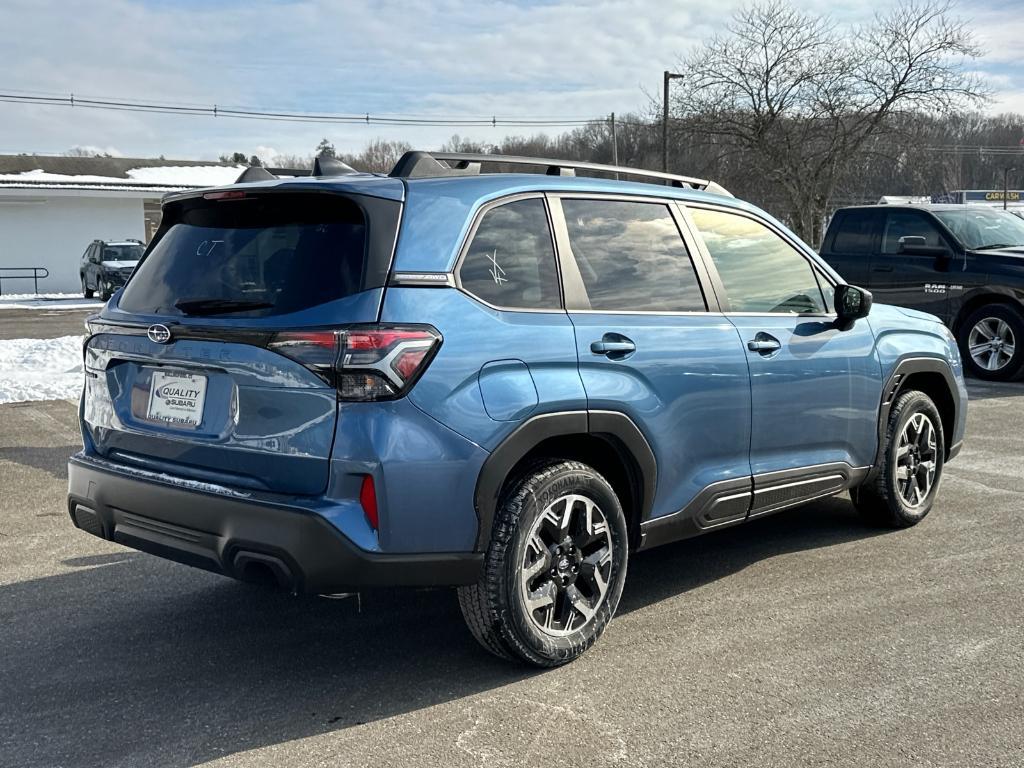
(202, 367)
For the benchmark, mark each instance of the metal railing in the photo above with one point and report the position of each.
(35, 275)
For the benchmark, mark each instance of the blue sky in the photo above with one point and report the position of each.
(445, 57)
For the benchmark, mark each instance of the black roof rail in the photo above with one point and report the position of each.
(323, 165)
(420, 164)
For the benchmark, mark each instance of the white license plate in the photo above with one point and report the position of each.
(177, 398)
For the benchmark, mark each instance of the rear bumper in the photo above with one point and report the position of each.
(245, 538)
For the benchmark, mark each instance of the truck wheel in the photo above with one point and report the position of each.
(907, 481)
(555, 567)
(992, 342)
(86, 291)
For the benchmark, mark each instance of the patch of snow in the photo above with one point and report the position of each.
(40, 175)
(40, 369)
(188, 175)
(48, 301)
(169, 175)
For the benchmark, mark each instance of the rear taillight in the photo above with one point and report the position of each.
(364, 362)
(317, 350)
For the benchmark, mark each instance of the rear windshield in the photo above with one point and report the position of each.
(122, 252)
(252, 257)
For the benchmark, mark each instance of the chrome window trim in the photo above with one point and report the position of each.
(694, 313)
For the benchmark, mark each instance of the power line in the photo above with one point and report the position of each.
(12, 96)
(124, 104)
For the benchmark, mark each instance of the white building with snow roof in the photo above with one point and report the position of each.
(53, 207)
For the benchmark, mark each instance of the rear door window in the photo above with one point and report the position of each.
(631, 256)
(855, 233)
(510, 262)
(258, 256)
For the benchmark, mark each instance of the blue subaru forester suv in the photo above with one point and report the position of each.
(504, 382)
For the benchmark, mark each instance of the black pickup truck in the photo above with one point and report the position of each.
(963, 263)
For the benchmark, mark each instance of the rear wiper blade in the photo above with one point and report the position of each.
(219, 306)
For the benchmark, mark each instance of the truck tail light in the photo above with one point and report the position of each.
(364, 363)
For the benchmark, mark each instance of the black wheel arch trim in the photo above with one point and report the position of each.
(894, 386)
(531, 433)
(976, 297)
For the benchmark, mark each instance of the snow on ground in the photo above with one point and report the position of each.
(170, 175)
(187, 175)
(47, 301)
(40, 369)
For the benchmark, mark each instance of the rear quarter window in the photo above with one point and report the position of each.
(510, 262)
(283, 253)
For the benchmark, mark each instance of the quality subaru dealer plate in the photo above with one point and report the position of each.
(177, 398)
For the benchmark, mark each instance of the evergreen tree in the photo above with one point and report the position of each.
(325, 148)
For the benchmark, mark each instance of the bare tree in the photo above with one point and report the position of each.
(379, 156)
(297, 162)
(802, 100)
(78, 151)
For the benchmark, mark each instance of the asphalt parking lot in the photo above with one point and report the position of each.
(801, 639)
(42, 323)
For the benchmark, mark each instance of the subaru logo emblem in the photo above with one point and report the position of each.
(159, 334)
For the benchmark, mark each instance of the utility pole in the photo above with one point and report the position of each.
(669, 77)
(615, 146)
(1006, 184)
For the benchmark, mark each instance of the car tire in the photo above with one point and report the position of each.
(910, 466)
(86, 290)
(996, 334)
(559, 538)
(105, 294)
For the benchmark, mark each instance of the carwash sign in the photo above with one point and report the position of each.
(991, 196)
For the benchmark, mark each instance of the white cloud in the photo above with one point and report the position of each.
(442, 57)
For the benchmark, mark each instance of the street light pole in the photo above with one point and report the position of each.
(668, 77)
(615, 146)
(1006, 184)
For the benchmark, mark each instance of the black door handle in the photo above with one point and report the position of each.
(614, 346)
(887, 268)
(764, 344)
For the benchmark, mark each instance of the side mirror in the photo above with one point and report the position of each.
(852, 303)
(911, 243)
(917, 244)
